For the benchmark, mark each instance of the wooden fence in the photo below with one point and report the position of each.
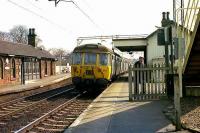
(147, 82)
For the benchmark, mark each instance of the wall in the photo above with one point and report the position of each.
(7, 77)
(48, 68)
(153, 50)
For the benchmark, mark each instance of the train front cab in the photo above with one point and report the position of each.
(91, 68)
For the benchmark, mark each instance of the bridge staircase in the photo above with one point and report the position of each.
(189, 59)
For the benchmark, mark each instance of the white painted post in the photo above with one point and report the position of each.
(177, 102)
(130, 82)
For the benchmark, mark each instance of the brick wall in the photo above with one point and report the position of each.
(43, 62)
(7, 67)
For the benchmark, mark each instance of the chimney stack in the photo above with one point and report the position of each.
(167, 15)
(163, 16)
(31, 37)
(165, 19)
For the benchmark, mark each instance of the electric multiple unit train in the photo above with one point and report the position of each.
(96, 64)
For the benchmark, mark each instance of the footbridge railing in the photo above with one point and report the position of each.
(187, 21)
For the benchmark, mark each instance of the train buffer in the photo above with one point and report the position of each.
(111, 112)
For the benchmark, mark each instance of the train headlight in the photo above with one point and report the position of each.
(75, 69)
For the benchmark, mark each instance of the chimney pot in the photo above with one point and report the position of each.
(167, 15)
(33, 31)
(163, 15)
(29, 31)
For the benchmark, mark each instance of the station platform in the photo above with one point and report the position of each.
(111, 112)
(33, 84)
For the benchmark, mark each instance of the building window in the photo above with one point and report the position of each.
(45, 68)
(13, 69)
(1, 69)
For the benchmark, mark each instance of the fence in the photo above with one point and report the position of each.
(147, 82)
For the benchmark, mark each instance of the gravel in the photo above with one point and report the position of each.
(190, 110)
(190, 107)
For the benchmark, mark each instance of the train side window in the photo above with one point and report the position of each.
(76, 58)
(103, 59)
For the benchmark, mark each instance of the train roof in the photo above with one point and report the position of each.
(96, 48)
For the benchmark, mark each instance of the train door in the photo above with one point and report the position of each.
(113, 65)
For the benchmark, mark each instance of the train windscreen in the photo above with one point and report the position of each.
(90, 59)
(76, 58)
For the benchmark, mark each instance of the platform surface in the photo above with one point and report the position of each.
(111, 112)
(33, 84)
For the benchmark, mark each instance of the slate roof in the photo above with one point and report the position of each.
(17, 49)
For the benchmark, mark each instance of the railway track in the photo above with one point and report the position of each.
(16, 116)
(59, 118)
(10, 108)
(47, 113)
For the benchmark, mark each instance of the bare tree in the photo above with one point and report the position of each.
(57, 52)
(41, 46)
(61, 55)
(19, 34)
(5, 36)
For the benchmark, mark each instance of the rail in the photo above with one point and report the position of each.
(32, 104)
(37, 121)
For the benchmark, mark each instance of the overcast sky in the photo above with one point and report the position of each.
(60, 26)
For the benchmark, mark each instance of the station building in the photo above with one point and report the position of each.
(23, 62)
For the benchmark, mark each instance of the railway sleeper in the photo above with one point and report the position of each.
(3, 112)
(3, 123)
(8, 109)
(16, 116)
(53, 125)
(20, 105)
(55, 121)
(55, 117)
(31, 132)
(64, 118)
(50, 129)
(64, 112)
(59, 114)
(58, 123)
(72, 115)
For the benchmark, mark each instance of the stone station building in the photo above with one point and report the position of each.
(23, 62)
